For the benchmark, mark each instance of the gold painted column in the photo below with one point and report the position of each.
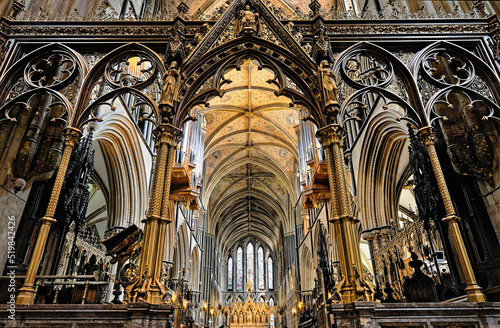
(345, 226)
(331, 138)
(169, 136)
(474, 292)
(27, 292)
(147, 287)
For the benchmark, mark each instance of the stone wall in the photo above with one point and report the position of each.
(356, 315)
(134, 315)
(416, 315)
(11, 207)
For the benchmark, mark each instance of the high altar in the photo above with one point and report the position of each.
(250, 313)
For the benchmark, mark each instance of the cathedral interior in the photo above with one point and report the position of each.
(249, 163)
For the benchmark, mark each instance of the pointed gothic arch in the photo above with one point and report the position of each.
(102, 70)
(123, 152)
(384, 141)
(37, 57)
(484, 70)
(228, 55)
(347, 65)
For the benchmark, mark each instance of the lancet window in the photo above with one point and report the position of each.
(253, 266)
(230, 273)
(250, 259)
(239, 269)
(270, 279)
(260, 261)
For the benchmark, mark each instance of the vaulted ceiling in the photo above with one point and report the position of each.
(250, 159)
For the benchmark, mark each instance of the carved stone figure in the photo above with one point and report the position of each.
(327, 81)
(171, 83)
(248, 22)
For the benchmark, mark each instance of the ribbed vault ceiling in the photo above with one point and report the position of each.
(250, 159)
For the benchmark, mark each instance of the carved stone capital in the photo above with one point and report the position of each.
(451, 218)
(330, 134)
(72, 135)
(47, 220)
(347, 218)
(427, 135)
(167, 134)
(153, 218)
(334, 219)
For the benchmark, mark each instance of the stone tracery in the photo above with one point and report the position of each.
(249, 108)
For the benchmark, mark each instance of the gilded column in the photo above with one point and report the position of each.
(27, 292)
(474, 292)
(331, 137)
(170, 137)
(354, 286)
(351, 223)
(141, 289)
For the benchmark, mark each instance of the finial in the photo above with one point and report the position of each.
(315, 8)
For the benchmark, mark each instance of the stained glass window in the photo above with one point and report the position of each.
(271, 301)
(260, 267)
(270, 273)
(230, 273)
(239, 268)
(250, 263)
(271, 321)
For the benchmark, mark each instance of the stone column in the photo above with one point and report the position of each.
(148, 286)
(328, 136)
(352, 286)
(170, 136)
(27, 293)
(474, 292)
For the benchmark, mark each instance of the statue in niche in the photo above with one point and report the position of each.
(171, 84)
(248, 22)
(328, 86)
